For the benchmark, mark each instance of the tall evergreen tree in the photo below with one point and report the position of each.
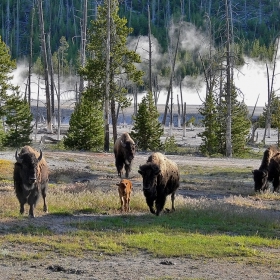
(210, 136)
(18, 121)
(147, 129)
(240, 124)
(122, 60)
(86, 127)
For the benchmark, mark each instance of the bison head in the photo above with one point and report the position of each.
(149, 174)
(260, 179)
(129, 150)
(28, 168)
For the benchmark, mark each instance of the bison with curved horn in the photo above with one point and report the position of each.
(31, 176)
(160, 179)
(260, 175)
(124, 150)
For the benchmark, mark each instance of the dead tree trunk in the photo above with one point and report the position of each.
(107, 89)
(171, 78)
(228, 87)
(45, 62)
(83, 44)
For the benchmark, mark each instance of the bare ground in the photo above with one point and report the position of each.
(141, 265)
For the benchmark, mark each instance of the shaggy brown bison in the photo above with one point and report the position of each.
(260, 175)
(30, 178)
(274, 172)
(124, 150)
(160, 178)
(125, 189)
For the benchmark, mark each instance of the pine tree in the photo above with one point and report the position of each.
(18, 120)
(122, 60)
(86, 127)
(147, 130)
(210, 136)
(240, 124)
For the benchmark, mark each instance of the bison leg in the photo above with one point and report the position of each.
(44, 195)
(276, 184)
(21, 208)
(172, 201)
(150, 203)
(119, 166)
(160, 203)
(127, 170)
(31, 211)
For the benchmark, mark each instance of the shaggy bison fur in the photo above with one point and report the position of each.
(124, 150)
(160, 178)
(260, 175)
(274, 172)
(31, 176)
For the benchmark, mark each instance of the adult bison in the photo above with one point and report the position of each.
(30, 178)
(260, 175)
(274, 172)
(124, 150)
(160, 178)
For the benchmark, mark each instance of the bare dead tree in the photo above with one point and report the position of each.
(150, 51)
(83, 43)
(107, 85)
(45, 62)
(269, 92)
(228, 85)
(31, 56)
(171, 78)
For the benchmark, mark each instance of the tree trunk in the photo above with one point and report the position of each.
(52, 86)
(228, 87)
(45, 62)
(171, 78)
(269, 94)
(107, 85)
(150, 51)
(83, 43)
(31, 57)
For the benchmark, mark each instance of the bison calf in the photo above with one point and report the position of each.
(125, 189)
(124, 150)
(160, 178)
(31, 176)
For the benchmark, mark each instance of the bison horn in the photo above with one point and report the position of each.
(123, 144)
(40, 156)
(18, 159)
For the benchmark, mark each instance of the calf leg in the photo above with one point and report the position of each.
(122, 203)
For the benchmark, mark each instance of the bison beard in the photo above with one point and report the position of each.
(30, 178)
(160, 179)
(124, 150)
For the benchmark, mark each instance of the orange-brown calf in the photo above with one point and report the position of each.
(125, 189)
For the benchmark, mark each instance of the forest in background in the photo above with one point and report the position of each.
(253, 20)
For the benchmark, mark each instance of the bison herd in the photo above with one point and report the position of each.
(160, 176)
